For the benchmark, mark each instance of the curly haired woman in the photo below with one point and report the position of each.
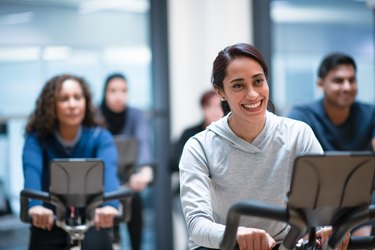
(62, 126)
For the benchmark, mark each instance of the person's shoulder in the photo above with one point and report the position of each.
(134, 110)
(288, 130)
(289, 124)
(136, 115)
(200, 139)
(192, 130)
(288, 121)
(96, 132)
(31, 137)
(367, 107)
(307, 112)
(305, 107)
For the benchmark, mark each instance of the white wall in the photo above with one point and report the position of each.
(198, 30)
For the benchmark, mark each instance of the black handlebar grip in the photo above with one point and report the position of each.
(27, 194)
(124, 195)
(362, 242)
(249, 208)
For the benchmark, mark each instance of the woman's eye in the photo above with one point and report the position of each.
(237, 85)
(63, 98)
(78, 97)
(259, 81)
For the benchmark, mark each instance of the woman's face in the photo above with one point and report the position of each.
(116, 95)
(70, 104)
(246, 90)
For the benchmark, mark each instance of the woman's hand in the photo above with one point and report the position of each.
(324, 234)
(41, 217)
(104, 217)
(140, 180)
(254, 239)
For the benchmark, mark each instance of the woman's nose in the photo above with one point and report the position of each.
(72, 102)
(251, 93)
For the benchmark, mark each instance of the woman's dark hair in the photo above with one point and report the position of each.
(333, 60)
(43, 120)
(221, 62)
(230, 53)
(107, 80)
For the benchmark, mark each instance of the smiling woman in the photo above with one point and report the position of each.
(246, 155)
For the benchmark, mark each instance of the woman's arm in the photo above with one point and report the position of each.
(142, 133)
(144, 175)
(32, 163)
(196, 197)
(106, 150)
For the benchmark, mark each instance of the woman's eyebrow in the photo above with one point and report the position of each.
(236, 79)
(257, 75)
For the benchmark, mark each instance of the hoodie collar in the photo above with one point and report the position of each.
(222, 129)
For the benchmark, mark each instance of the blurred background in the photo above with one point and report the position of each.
(166, 49)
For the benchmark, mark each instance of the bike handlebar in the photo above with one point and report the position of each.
(27, 194)
(248, 208)
(123, 195)
(256, 209)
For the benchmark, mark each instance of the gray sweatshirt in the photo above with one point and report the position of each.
(218, 169)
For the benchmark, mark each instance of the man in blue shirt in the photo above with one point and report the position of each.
(339, 121)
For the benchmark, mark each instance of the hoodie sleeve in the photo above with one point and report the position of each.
(195, 196)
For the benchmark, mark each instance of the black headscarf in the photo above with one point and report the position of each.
(115, 121)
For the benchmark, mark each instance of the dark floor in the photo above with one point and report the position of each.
(13, 233)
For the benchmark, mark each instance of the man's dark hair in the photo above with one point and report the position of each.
(333, 60)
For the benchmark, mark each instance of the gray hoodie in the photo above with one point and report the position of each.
(218, 169)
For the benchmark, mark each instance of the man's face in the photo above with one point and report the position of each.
(340, 86)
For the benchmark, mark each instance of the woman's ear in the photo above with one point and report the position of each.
(220, 93)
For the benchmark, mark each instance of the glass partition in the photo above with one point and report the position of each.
(92, 39)
(305, 31)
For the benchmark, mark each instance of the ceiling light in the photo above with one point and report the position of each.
(54, 53)
(136, 6)
(127, 55)
(19, 54)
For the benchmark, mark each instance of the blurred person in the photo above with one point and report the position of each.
(62, 126)
(129, 122)
(339, 121)
(246, 155)
(211, 106)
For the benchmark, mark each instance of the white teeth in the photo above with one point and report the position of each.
(252, 106)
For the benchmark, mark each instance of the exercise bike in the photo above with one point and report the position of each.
(76, 185)
(333, 189)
